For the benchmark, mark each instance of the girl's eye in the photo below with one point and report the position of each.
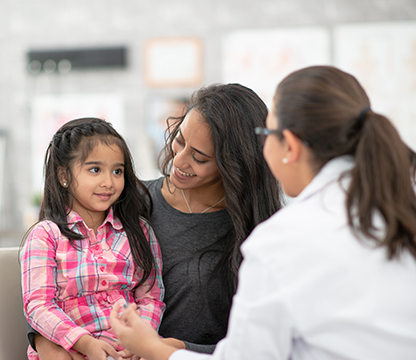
(118, 172)
(95, 170)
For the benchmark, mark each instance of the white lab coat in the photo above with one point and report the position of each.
(309, 289)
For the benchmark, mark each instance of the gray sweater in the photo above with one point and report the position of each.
(195, 310)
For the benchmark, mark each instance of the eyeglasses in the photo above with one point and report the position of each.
(264, 132)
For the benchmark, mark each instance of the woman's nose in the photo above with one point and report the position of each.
(180, 158)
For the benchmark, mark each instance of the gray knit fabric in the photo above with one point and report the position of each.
(195, 311)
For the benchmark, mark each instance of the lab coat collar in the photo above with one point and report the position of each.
(330, 172)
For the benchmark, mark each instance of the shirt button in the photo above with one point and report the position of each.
(103, 283)
(97, 247)
(102, 268)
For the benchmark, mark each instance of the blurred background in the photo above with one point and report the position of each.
(136, 62)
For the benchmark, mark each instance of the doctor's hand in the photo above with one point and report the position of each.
(126, 354)
(137, 336)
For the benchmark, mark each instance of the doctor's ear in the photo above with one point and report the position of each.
(294, 147)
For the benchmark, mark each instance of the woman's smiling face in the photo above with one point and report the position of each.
(194, 164)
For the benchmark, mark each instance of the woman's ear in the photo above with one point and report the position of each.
(62, 177)
(293, 147)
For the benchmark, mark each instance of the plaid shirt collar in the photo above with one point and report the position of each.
(74, 219)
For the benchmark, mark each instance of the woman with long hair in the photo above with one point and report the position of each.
(216, 188)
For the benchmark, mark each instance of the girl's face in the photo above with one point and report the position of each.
(194, 162)
(98, 183)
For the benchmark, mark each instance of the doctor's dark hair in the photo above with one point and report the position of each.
(72, 144)
(330, 111)
(252, 194)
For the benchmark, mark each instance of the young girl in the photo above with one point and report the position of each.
(91, 248)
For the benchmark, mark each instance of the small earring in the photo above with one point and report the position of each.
(285, 160)
(64, 184)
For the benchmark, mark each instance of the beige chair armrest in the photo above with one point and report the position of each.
(13, 333)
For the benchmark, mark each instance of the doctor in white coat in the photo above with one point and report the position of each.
(332, 275)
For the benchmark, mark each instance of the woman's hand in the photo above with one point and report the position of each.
(175, 343)
(137, 336)
(48, 350)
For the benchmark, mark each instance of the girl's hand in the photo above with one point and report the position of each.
(48, 350)
(137, 336)
(95, 349)
(76, 356)
(126, 354)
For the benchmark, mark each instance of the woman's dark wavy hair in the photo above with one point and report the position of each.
(330, 110)
(252, 194)
(73, 143)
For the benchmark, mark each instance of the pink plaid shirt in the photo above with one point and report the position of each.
(68, 293)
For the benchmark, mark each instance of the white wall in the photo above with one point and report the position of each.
(47, 24)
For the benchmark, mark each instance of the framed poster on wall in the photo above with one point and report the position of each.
(260, 59)
(173, 62)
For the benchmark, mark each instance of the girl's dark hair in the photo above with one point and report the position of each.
(252, 194)
(72, 143)
(330, 111)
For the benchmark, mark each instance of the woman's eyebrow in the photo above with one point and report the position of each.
(198, 151)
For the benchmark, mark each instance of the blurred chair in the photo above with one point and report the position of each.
(13, 339)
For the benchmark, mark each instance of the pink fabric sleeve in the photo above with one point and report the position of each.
(38, 267)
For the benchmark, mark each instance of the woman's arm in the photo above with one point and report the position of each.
(48, 350)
